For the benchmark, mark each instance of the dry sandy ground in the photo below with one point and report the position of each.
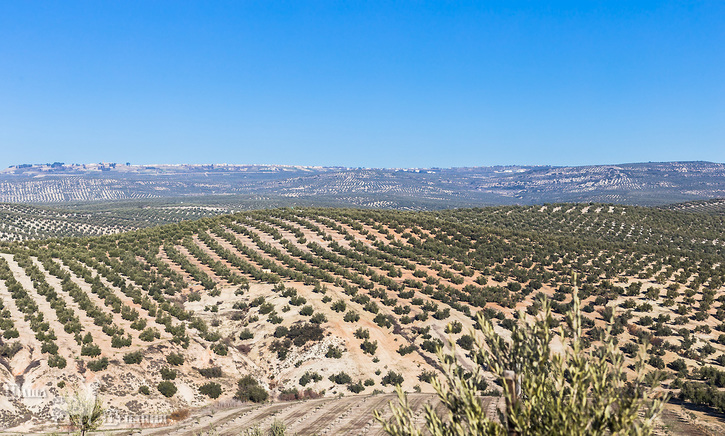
(260, 361)
(353, 415)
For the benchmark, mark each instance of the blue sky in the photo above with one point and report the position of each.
(373, 84)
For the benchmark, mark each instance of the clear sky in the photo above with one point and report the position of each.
(366, 83)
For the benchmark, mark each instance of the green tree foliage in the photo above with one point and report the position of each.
(309, 377)
(57, 362)
(85, 412)
(175, 359)
(168, 373)
(134, 357)
(167, 388)
(392, 378)
(575, 392)
(249, 389)
(369, 347)
(98, 364)
(211, 372)
(341, 378)
(211, 389)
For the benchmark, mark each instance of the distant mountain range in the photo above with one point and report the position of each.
(419, 188)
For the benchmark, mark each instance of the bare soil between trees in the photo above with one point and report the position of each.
(350, 415)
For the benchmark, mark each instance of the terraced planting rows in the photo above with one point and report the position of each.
(347, 416)
(303, 303)
(22, 222)
(714, 206)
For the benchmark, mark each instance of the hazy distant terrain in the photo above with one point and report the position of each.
(433, 188)
(714, 206)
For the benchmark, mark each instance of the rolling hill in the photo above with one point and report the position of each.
(411, 189)
(309, 302)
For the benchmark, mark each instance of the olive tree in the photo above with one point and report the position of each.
(85, 411)
(572, 392)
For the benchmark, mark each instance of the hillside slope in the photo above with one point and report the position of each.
(653, 183)
(20, 222)
(334, 301)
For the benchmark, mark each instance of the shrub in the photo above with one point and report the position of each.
(277, 428)
(56, 362)
(289, 395)
(98, 364)
(220, 349)
(273, 318)
(168, 374)
(454, 327)
(369, 347)
(11, 349)
(144, 390)
(300, 334)
(167, 388)
(371, 307)
(392, 378)
(149, 334)
(246, 334)
(248, 389)
(426, 376)
(49, 347)
(118, 341)
(318, 318)
(85, 412)
(341, 378)
(431, 345)
(266, 308)
(351, 316)
(465, 342)
(339, 306)
(362, 333)
(356, 387)
(91, 350)
(307, 310)
(131, 358)
(442, 314)
(211, 389)
(281, 332)
(281, 347)
(211, 372)
(382, 320)
(333, 352)
(700, 393)
(179, 415)
(139, 324)
(657, 362)
(679, 366)
(308, 377)
(240, 305)
(175, 359)
(297, 301)
(403, 350)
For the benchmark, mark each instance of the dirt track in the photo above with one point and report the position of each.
(351, 415)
